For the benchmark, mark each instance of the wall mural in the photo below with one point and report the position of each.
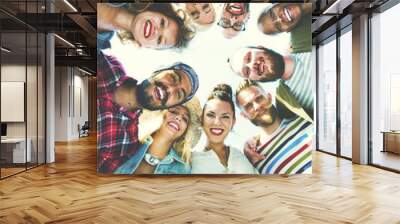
(204, 88)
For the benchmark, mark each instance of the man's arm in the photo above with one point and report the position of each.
(109, 72)
(115, 143)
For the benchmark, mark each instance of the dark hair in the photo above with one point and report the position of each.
(185, 33)
(222, 92)
(262, 17)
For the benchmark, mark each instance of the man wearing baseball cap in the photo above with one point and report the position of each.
(120, 100)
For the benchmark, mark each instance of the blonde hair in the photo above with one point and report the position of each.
(180, 8)
(244, 84)
(151, 121)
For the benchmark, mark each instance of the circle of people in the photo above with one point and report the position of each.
(151, 127)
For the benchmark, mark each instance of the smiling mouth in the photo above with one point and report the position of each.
(174, 126)
(160, 94)
(147, 29)
(216, 131)
(261, 68)
(236, 8)
(288, 14)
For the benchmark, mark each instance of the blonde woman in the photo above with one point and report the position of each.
(167, 150)
(150, 25)
(218, 119)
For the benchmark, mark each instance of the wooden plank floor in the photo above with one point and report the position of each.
(70, 191)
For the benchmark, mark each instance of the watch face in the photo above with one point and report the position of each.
(188, 83)
(150, 159)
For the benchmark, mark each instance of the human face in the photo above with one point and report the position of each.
(235, 15)
(164, 89)
(256, 105)
(201, 13)
(218, 120)
(281, 18)
(154, 30)
(175, 122)
(257, 64)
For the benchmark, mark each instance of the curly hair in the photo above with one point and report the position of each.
(185, 32)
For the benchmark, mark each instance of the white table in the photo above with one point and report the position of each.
(18, 149)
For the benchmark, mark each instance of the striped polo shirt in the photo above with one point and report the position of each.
(300, 83)
(288, 150)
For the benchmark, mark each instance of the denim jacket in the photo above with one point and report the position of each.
(103, 39)
(171, 164)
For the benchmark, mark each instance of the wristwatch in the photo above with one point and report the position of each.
(151, 160)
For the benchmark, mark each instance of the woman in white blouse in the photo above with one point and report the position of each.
(218, 118)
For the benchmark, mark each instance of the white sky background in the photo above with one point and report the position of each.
(207, 53)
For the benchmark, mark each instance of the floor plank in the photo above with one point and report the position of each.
(70, 191)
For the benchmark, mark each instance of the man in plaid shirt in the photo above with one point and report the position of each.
(120, 100)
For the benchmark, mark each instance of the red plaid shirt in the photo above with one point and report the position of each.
(117, 134)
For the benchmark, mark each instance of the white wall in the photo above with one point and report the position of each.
(71, 94)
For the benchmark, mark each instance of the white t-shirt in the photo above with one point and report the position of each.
(207, 162)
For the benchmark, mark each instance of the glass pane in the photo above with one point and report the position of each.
(41, 99)
(13, 86)
(385, 85)
(31, 98)
(346, 94)
(327, 97)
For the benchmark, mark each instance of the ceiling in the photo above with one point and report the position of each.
(331, 15)
(74, 22)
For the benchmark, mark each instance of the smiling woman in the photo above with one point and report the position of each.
(166, 141)
(156, 26)
(218, 119)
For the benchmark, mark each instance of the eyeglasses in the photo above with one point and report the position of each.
(238, 26)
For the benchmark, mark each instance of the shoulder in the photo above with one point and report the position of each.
(297, 119)
(303, 56)
(298, 123)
